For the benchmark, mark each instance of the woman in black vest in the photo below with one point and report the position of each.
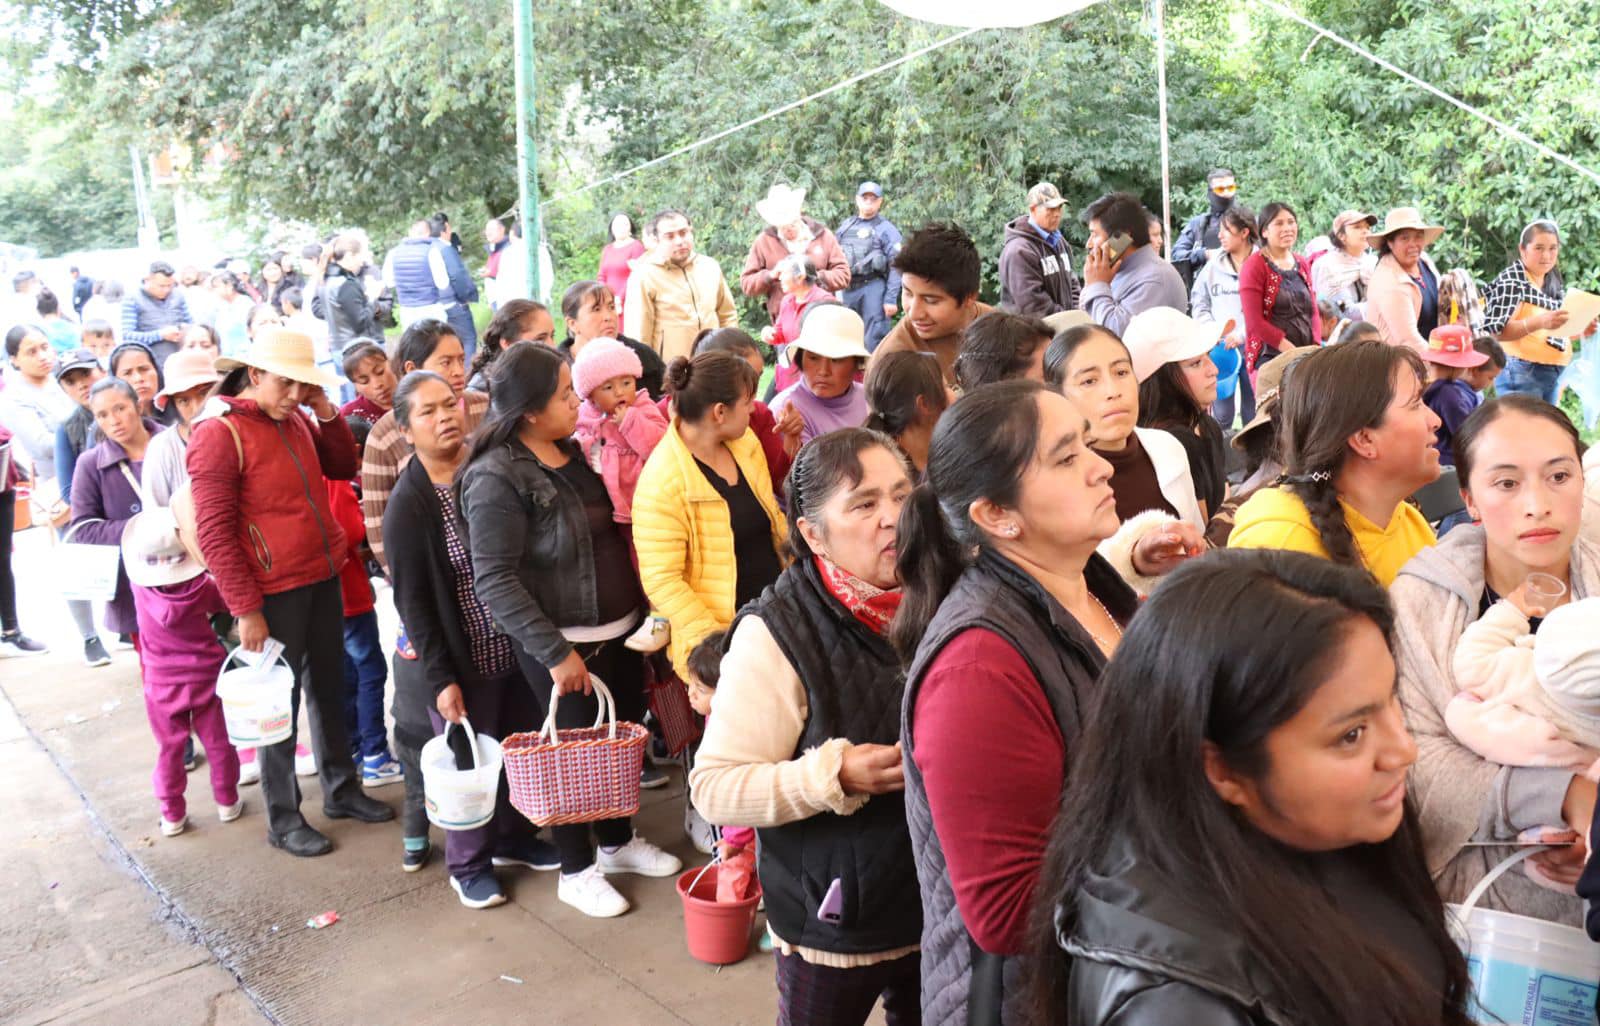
(802, 743)
(1243, 852)
(1004, 648)
(554, 571)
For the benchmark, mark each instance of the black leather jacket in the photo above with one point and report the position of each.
(532, 556)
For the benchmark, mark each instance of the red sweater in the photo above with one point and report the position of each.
(261, 510)
(1258, 294)
(354, 586)
(979, 707)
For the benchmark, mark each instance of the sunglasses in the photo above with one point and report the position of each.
(1225, 190)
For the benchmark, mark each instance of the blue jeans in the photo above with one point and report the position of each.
(1242, 401)
(459, 317)
(866, 299)
(1529, 378)
(365, 673)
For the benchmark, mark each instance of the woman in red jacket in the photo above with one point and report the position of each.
(1280, 306)
(256, 463)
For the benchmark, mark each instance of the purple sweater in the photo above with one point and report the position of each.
(176, 642)
(823, 415)
(103, 501)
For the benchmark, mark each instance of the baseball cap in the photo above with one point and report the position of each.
(1350, 217)
(1162, 335)
(872, 187)
(1045, 195)
(77, 359)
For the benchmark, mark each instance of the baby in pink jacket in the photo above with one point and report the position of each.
(618, 423)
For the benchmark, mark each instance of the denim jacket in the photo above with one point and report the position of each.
(532, 556)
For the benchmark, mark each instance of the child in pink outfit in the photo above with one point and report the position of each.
(174, 599)
(618, 423)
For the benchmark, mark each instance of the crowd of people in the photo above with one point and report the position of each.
(1107, 655)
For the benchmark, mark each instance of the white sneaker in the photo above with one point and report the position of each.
(229, 813)
(592, 894)
(638, 856)
(700, 833)
(651, 636)
(305, 761)
(249, 769)
(173, 829)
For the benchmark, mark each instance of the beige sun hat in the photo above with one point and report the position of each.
(782, 205)
(154, 553)
(186, 369)
(1401, 218)
(832, 330)
(284, 352)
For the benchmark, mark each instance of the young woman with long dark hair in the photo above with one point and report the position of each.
(1177, 385)
(907, 394)
(1353, 450)
(1007, 618)
(1243, 851)
(1519, 462)
(517, 320)
(553, 569)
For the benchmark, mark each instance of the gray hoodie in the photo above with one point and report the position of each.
(1459, 795)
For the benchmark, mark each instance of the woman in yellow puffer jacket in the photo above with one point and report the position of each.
(706, 526)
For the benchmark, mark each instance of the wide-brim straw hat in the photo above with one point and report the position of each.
(782, 205)
(832, 330)
(186, 369)
(1401, 218)
(1269, 386)
(284, 352)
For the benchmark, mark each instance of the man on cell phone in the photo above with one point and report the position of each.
(1123, 274)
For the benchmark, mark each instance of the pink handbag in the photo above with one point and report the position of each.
(586, 774)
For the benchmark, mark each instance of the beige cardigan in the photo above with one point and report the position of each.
(1394, 302)
(1461, 797)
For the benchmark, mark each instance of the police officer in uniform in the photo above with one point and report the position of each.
(870, 243)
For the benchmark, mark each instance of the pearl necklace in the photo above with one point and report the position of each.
(1098, 640)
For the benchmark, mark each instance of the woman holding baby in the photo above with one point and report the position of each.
(1497, 707)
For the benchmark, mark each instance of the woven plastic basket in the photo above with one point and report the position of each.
(582, 775)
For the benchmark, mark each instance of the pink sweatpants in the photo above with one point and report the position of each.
(172, 708)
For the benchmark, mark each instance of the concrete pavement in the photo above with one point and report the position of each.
(102, 920)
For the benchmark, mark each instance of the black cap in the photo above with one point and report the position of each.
(77, 359)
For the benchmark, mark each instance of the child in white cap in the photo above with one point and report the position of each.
(1531, 699)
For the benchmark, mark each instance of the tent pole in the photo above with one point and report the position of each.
(1166, 160)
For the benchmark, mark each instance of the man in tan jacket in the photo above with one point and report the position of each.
(675, 293)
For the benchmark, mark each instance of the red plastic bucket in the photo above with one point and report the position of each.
(718, 932)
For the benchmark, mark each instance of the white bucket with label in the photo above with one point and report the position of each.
(1525, 970)
(256, 702)
(457, 799)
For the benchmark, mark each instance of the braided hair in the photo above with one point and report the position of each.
(1332, 394)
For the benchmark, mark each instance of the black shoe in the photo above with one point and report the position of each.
(652, 777)
(536, 853)
(359, 806)
(94, 652)
(303, 842)
(411, 861)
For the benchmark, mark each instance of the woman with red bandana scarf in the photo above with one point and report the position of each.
(806, 731)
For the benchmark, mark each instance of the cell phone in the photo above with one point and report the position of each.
(832, 908)
(1558, 344)
(1116, 246)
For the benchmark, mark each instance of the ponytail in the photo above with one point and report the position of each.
(929, 562)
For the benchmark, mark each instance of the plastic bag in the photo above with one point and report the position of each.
(736, 874)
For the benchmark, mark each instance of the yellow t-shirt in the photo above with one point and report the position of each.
(1275, 518)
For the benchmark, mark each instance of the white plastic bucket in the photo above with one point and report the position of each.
(457, 799)
(1525, 970)
(256, 702)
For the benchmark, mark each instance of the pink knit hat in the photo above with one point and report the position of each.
(600, 361)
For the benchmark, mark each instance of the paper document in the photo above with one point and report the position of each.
(1582, 308)
(270, 651)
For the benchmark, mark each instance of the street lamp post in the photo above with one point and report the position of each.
(527, 156)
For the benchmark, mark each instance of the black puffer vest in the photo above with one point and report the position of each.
(963, 985)
(853, 685)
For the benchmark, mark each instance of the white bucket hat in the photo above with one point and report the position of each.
(1401, 218)
(152, 551)
(1162, 335)
(284, 352)
(832, 330)
(782, 205)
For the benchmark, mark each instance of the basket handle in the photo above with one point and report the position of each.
(235, 654)
(607, 709)
(472, 739)
(1494, 874)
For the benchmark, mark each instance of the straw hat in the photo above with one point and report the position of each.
(1161, 335)
(153, 554)
(1401, 218)
(832, 330)
(285, 352)
(186, 369)
(1269, 387)
(782, 205)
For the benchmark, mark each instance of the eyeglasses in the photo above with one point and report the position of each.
(1225, 190)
